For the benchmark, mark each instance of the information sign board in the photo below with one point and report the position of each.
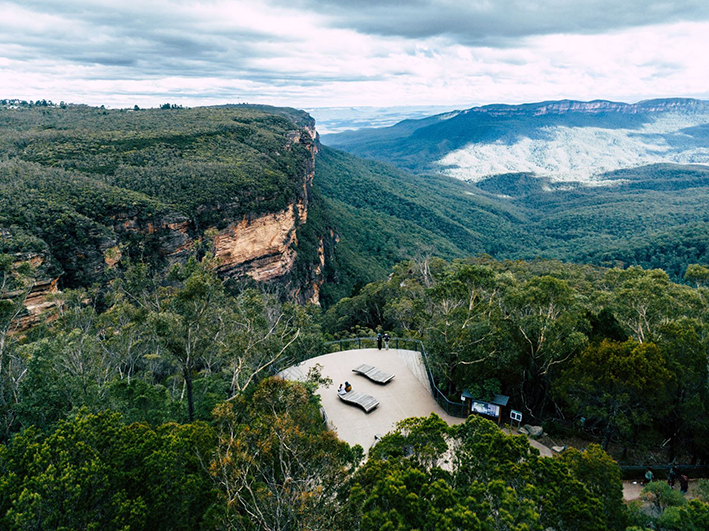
(484, 408)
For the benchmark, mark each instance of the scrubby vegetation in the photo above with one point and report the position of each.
(164, 381)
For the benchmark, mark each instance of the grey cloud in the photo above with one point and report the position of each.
(491, 22)
(153, 42)
(131, 41)
(161, 39)
(108, 60)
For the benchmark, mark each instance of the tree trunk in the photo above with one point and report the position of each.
(190, 402)
(608, 434)
(671, 451)
(607, 438)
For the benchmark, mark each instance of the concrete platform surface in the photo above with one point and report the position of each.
(403, 397)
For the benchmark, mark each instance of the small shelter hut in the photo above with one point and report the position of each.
(491, 410)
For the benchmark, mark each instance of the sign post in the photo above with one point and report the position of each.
(515, 416)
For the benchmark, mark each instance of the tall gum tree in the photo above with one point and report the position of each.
(16, 282)
(620, 386)
(544, 318)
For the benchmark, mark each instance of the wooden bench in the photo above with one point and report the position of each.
(373, 374)
(366, 402)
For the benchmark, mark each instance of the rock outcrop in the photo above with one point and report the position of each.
(686, 105)
(254, 204)
(41, 304)
(38, 298)
(533, 431)
(262, 247)
(173, 233)
(265, 247)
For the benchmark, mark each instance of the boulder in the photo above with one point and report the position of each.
(534, 431)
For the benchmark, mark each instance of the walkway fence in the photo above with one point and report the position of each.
(661, 471)
(454, 409)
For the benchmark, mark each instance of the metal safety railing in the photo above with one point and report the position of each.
(661, 471)
(454, 409)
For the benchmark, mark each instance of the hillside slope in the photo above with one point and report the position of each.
(655, 216)
(624, 222)
(383, 215)
(84, 189)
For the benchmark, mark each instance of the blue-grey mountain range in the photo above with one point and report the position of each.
(561, 141)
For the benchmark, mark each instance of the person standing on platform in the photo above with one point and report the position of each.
(683, 483)
(379, 341)
(386, 341)
(672, 477)
(649, 476)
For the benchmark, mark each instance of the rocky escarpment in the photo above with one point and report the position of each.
(261, 246)
(37, 293)
(172, 235)
(41, 304)
(160, 187)
(265, 247)
(686, 105)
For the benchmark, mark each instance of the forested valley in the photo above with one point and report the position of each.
(145, 397)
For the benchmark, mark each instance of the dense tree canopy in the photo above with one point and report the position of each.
(426, 475)
(624, 349)
(96, 472)
(154, 348)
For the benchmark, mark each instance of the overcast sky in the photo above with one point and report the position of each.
(324, 53)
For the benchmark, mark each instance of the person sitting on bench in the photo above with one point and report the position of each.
(348, 387)
(341, 391)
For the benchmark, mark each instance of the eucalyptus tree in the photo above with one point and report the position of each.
(685, 346)
(94, 471)
(16, 283)
(189, 321)
(545, 320)
(277, 467)
(229, 339)
(460, 325)
(619, 386)
(644, 300)
(491, 481)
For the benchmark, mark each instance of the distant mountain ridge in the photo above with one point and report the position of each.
(594, 107)
(563, 140)
(338, 119)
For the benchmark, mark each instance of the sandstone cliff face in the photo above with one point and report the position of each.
(40, 302)
(246, 163)
(314, 293)
(682, 105)
(262, 247)
(265, 247)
